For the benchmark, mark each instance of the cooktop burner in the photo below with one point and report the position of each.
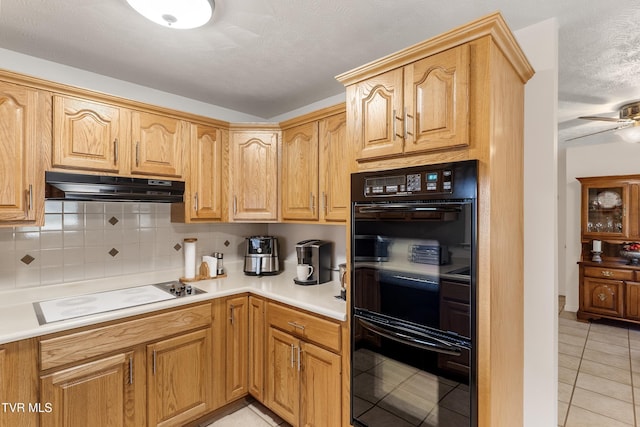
(77, 306)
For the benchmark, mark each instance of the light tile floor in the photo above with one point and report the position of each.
(598, 373)
(252, 414)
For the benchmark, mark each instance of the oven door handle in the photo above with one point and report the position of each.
(437, 346)
(404, 207)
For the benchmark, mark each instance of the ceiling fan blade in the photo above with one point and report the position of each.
(594, 133)
(606, 119)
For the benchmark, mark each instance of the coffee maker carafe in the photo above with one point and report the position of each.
(317, 254)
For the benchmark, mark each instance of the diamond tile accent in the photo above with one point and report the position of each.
(113, 220)
(113, 252)
(27, 259)
(227, 243)
(177, 247)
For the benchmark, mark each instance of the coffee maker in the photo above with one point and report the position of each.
(261, 256)
(317, 254)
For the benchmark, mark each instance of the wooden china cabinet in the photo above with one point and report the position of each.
(610, 208)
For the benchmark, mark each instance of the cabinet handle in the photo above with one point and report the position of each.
(195, 202)
(137, 153)
(154, 362)
(324, 203)
(231, 313)
(312, 203)
(607, 273)
(115, 151)
(292, 349)
(406, 123)
(394, 124)
(235, 205)
(131, 370)
(296, 325)
(298, 358)
(603, 297)
(30, 198)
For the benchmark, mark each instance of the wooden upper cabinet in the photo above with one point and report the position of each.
(300, 172)
(608, 209)
(24, 132)
(87, 135)
(208, 174)
(254, 175)
(419, 107)
(158, 143)
(380, 110)
(334, 168)
(437, 101)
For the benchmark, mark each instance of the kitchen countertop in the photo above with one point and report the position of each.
(18, 318)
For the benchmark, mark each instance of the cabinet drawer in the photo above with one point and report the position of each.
(82, 345)
(306, 326)
(608, 273)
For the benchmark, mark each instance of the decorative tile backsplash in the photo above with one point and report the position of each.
(91, 240)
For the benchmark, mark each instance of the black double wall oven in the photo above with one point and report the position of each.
(413, 299)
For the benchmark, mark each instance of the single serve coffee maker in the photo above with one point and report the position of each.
(314, 262)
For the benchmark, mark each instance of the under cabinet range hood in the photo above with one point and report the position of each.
(71, 186)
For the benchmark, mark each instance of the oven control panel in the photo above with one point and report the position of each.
(430, 181)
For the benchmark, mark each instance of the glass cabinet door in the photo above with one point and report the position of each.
(605, 210)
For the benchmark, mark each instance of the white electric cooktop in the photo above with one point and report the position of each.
(83, 305)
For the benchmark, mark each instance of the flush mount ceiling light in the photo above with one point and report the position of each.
(178, 14)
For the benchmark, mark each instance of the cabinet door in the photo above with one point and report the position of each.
(632, 303)
(256, 348)
(605, 210)
(299, 187)
(91, 394)
(19, 383)
(437, 101)
(237, 353)
(283, 377)
(320, 387)
(87, 135)
(24, 131)
(254, 175)
(334, 168)
(178, 378)
(603, 297)
(380, 108)
(157, 144)
(208, 173)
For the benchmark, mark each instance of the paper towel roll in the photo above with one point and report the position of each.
(189, 250)
(212, 262)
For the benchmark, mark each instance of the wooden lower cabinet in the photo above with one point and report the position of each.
(304, 380)
(237, 343)
(178, 377)
(632, 300)
(97, 393)
(320, 386)
(602, 296)
(19, 384)
(256, 347)
(153, 370)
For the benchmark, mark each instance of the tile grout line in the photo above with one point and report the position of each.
(575, 381)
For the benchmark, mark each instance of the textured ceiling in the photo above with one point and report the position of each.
(268, 57)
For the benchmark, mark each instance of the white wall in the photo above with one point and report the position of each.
(36, 67)
(540, 44)
(615, 158)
